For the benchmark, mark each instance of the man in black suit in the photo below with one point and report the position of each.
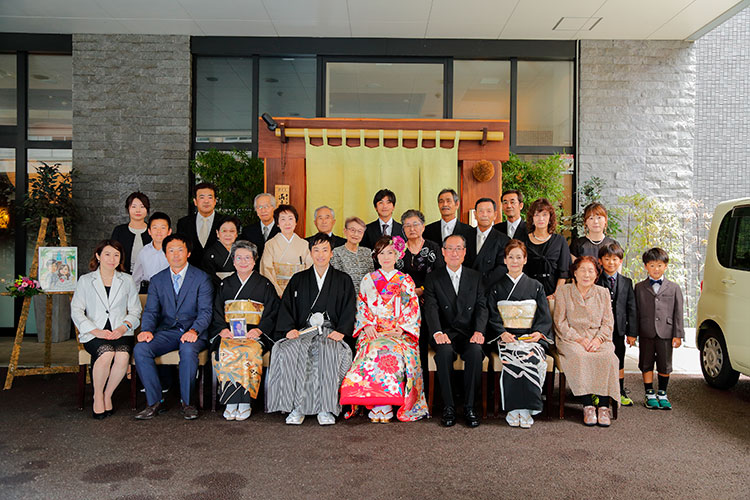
(201, 228)
(260, 232)
(384, 203)
(455, 310)
(325, 219)
(514, 226)
(485, 248)
(448, 203)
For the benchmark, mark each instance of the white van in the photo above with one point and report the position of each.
(723, 333)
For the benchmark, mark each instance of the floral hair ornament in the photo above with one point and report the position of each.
(399, 245)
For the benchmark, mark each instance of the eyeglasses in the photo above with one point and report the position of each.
(243, 258)
(263, 207)
(355, 231)
(454, 249)
(414, 225)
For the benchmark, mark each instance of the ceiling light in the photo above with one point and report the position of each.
(212, 79)
(576, 23)
(39, 76)
(271, 80)
(489, 81)
(287, 59)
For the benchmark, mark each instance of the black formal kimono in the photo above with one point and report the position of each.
(238, 363)
(433, 231)
(374, 232)
(525, 310)
(306, 372)
(216, 260)
(186, 227)
(254, 234)
(548, 262)
(336, 241)
(126, 238)
(457, 316)
(490, 261)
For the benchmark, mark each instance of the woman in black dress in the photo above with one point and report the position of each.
(133, 236)
(421, 256)
(595, 224)
(216, 261)
(238, 362)
(548, 253)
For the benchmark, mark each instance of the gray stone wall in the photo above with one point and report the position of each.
(637, 117)
(131, 128)
(722, 113)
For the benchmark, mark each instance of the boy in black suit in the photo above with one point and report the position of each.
(384, 202)
(623, 305)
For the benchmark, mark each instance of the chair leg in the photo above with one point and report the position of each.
(497, 394)
(201, 381)
(562, 395)
(81, 385)
(550, 383)
(213, 390)
(484, 395)
(614, 409)
(133, 387)
(431, 393)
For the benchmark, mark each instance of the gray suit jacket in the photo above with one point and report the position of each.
(659, 314)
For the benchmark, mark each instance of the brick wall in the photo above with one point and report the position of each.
(131, 128)
(637, 116)
(722, 113)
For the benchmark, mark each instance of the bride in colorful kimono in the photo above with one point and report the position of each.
(238, 362)
(386, 371)
(286, 253)
(521, 326)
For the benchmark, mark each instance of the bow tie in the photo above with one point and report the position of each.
(653, 282)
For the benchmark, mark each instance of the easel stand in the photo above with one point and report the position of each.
(47, 369)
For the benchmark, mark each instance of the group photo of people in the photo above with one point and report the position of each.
(344, 326)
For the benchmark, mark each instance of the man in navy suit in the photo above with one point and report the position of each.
(177, 314)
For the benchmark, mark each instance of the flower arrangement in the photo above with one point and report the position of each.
(24, 286)
(400, 246)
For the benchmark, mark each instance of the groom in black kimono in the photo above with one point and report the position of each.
(455, 310)
(311, 358)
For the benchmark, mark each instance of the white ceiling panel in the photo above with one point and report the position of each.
(484, 19)
(229, 27)
(375, 29)
(385, 11)
(451, 30)
(535, 20)
(692, 19)
(209, 10)
(328, 28)
(52, 8)
(162, 26)
(634, 19)
(312, 10)
(145, 9)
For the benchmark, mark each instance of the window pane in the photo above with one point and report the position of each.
(7, 89)
(50, 98)
(741, 258)
(481, 90)
(545, 103)
(384, 90)
(287, 86)
(224, 99)
(7, 231)
(724, 240)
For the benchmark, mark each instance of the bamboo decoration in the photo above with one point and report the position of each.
(47, 369)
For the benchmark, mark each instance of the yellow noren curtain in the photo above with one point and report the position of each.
(346, 178)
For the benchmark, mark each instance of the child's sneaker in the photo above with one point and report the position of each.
(651, 402)
(664, 403)
(625, 400)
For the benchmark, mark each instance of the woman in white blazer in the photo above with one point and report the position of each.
(106, 309)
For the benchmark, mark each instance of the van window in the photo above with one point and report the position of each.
(741, 254)
(724, 240)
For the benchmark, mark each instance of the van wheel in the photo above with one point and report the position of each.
(715, 362)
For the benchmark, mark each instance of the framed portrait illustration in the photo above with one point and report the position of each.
(58, 268)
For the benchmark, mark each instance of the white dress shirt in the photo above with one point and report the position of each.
(199, 223)
(320, 279)
(446, 228)
(150, 261)
(268, 228)
(455, 277)
(182, 274)
(482, 237)
(512, 226)
(388, 223)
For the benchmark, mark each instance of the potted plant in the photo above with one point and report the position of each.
(50, 195)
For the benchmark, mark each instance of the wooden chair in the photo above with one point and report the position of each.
(214, 380)
(458, 365)
(549, 383)
(562, 390)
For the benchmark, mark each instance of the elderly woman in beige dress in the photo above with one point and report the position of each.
(286, 253)
(583, 323)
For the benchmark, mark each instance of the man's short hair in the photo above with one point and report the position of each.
(255, 200)
(319, 238)
(204, 185)
(486, 200)
(463, 240)
(315, 213)
(451, 191)
(612, 249)
(657, 254)
(176, 237)
(159, 216)
(516, 192)
(383, 193)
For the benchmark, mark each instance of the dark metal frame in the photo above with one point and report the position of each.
(16, 136)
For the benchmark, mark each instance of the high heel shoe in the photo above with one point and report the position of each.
(99, 416)
(109, 413)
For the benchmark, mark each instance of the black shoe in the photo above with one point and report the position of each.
(99, 416)
(151, 411)
(471, 417)
(109, 413)
(449, 417)
(189, 412)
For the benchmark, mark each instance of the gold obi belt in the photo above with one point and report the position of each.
(517, 314)
(249, 310)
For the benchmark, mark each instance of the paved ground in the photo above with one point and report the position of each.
(50, 450)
